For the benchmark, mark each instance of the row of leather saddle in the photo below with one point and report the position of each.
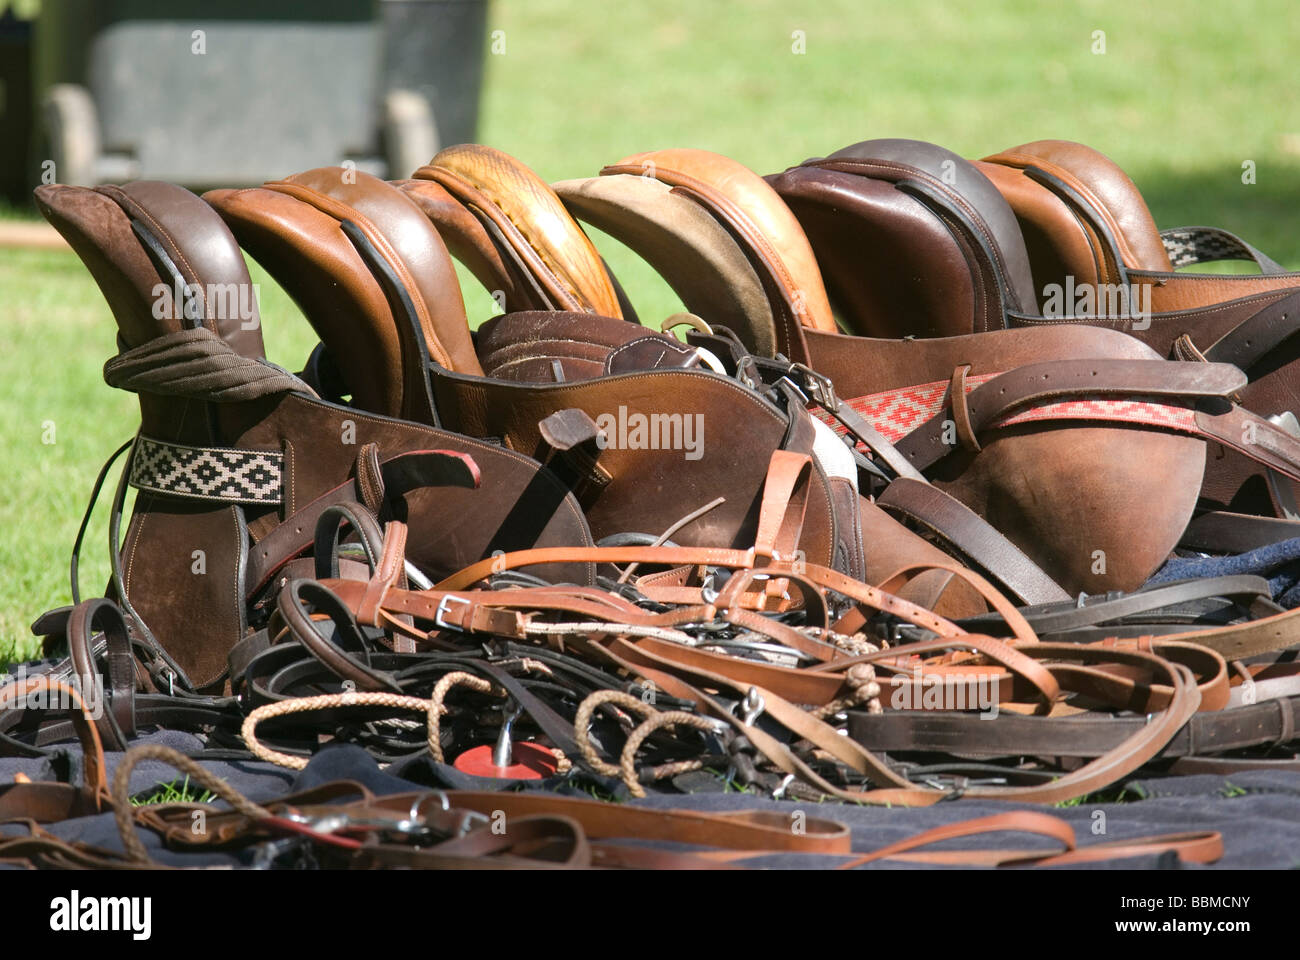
(876, 311)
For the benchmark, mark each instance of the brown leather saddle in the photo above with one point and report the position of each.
(1025, 481)
(236, 459)
(915, 241)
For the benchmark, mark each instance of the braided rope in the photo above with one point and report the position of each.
(436, 709)
(284, 708)
(582, 725)
(669, 718)
(124, 813)
(653, 720)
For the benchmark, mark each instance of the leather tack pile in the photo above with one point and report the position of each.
(881, 519)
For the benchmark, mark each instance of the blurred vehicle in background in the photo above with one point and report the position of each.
(234, 92)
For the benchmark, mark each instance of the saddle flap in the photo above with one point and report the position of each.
(348, 247)
(957, 191)
(308, 254)
(892, 268)
(528, 223)
(416, 250)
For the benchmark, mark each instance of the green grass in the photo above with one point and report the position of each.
(178, 791)
(1180, 99)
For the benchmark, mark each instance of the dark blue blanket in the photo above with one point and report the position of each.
(1278, 563)
(1258, 813)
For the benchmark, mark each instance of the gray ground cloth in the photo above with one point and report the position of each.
(1258, 812)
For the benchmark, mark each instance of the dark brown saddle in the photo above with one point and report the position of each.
(915, 241)
(237, 459)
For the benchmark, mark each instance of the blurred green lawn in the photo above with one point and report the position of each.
(1181, 97)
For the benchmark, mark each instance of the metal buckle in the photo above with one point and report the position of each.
(818, 386)
(443, 606)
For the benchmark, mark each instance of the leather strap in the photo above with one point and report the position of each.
(965, 530)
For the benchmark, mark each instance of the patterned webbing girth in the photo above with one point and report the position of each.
(207, 473)
(896, 413)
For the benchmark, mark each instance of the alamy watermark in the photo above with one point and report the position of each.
(1119, 300)
(654, 431)
(39, 691)
(215, 301)
(948, 691)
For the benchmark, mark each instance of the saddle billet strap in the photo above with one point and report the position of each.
(1227, 532)
(1010, 735)
(1253, 339)
(970, 534)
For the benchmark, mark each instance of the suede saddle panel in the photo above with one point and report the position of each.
(684, 244)
(196, 618)
(549, 347)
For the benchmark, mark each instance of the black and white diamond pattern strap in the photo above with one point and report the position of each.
(207, 473)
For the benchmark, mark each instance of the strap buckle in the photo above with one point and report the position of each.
(818, 386)
(444, 605)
